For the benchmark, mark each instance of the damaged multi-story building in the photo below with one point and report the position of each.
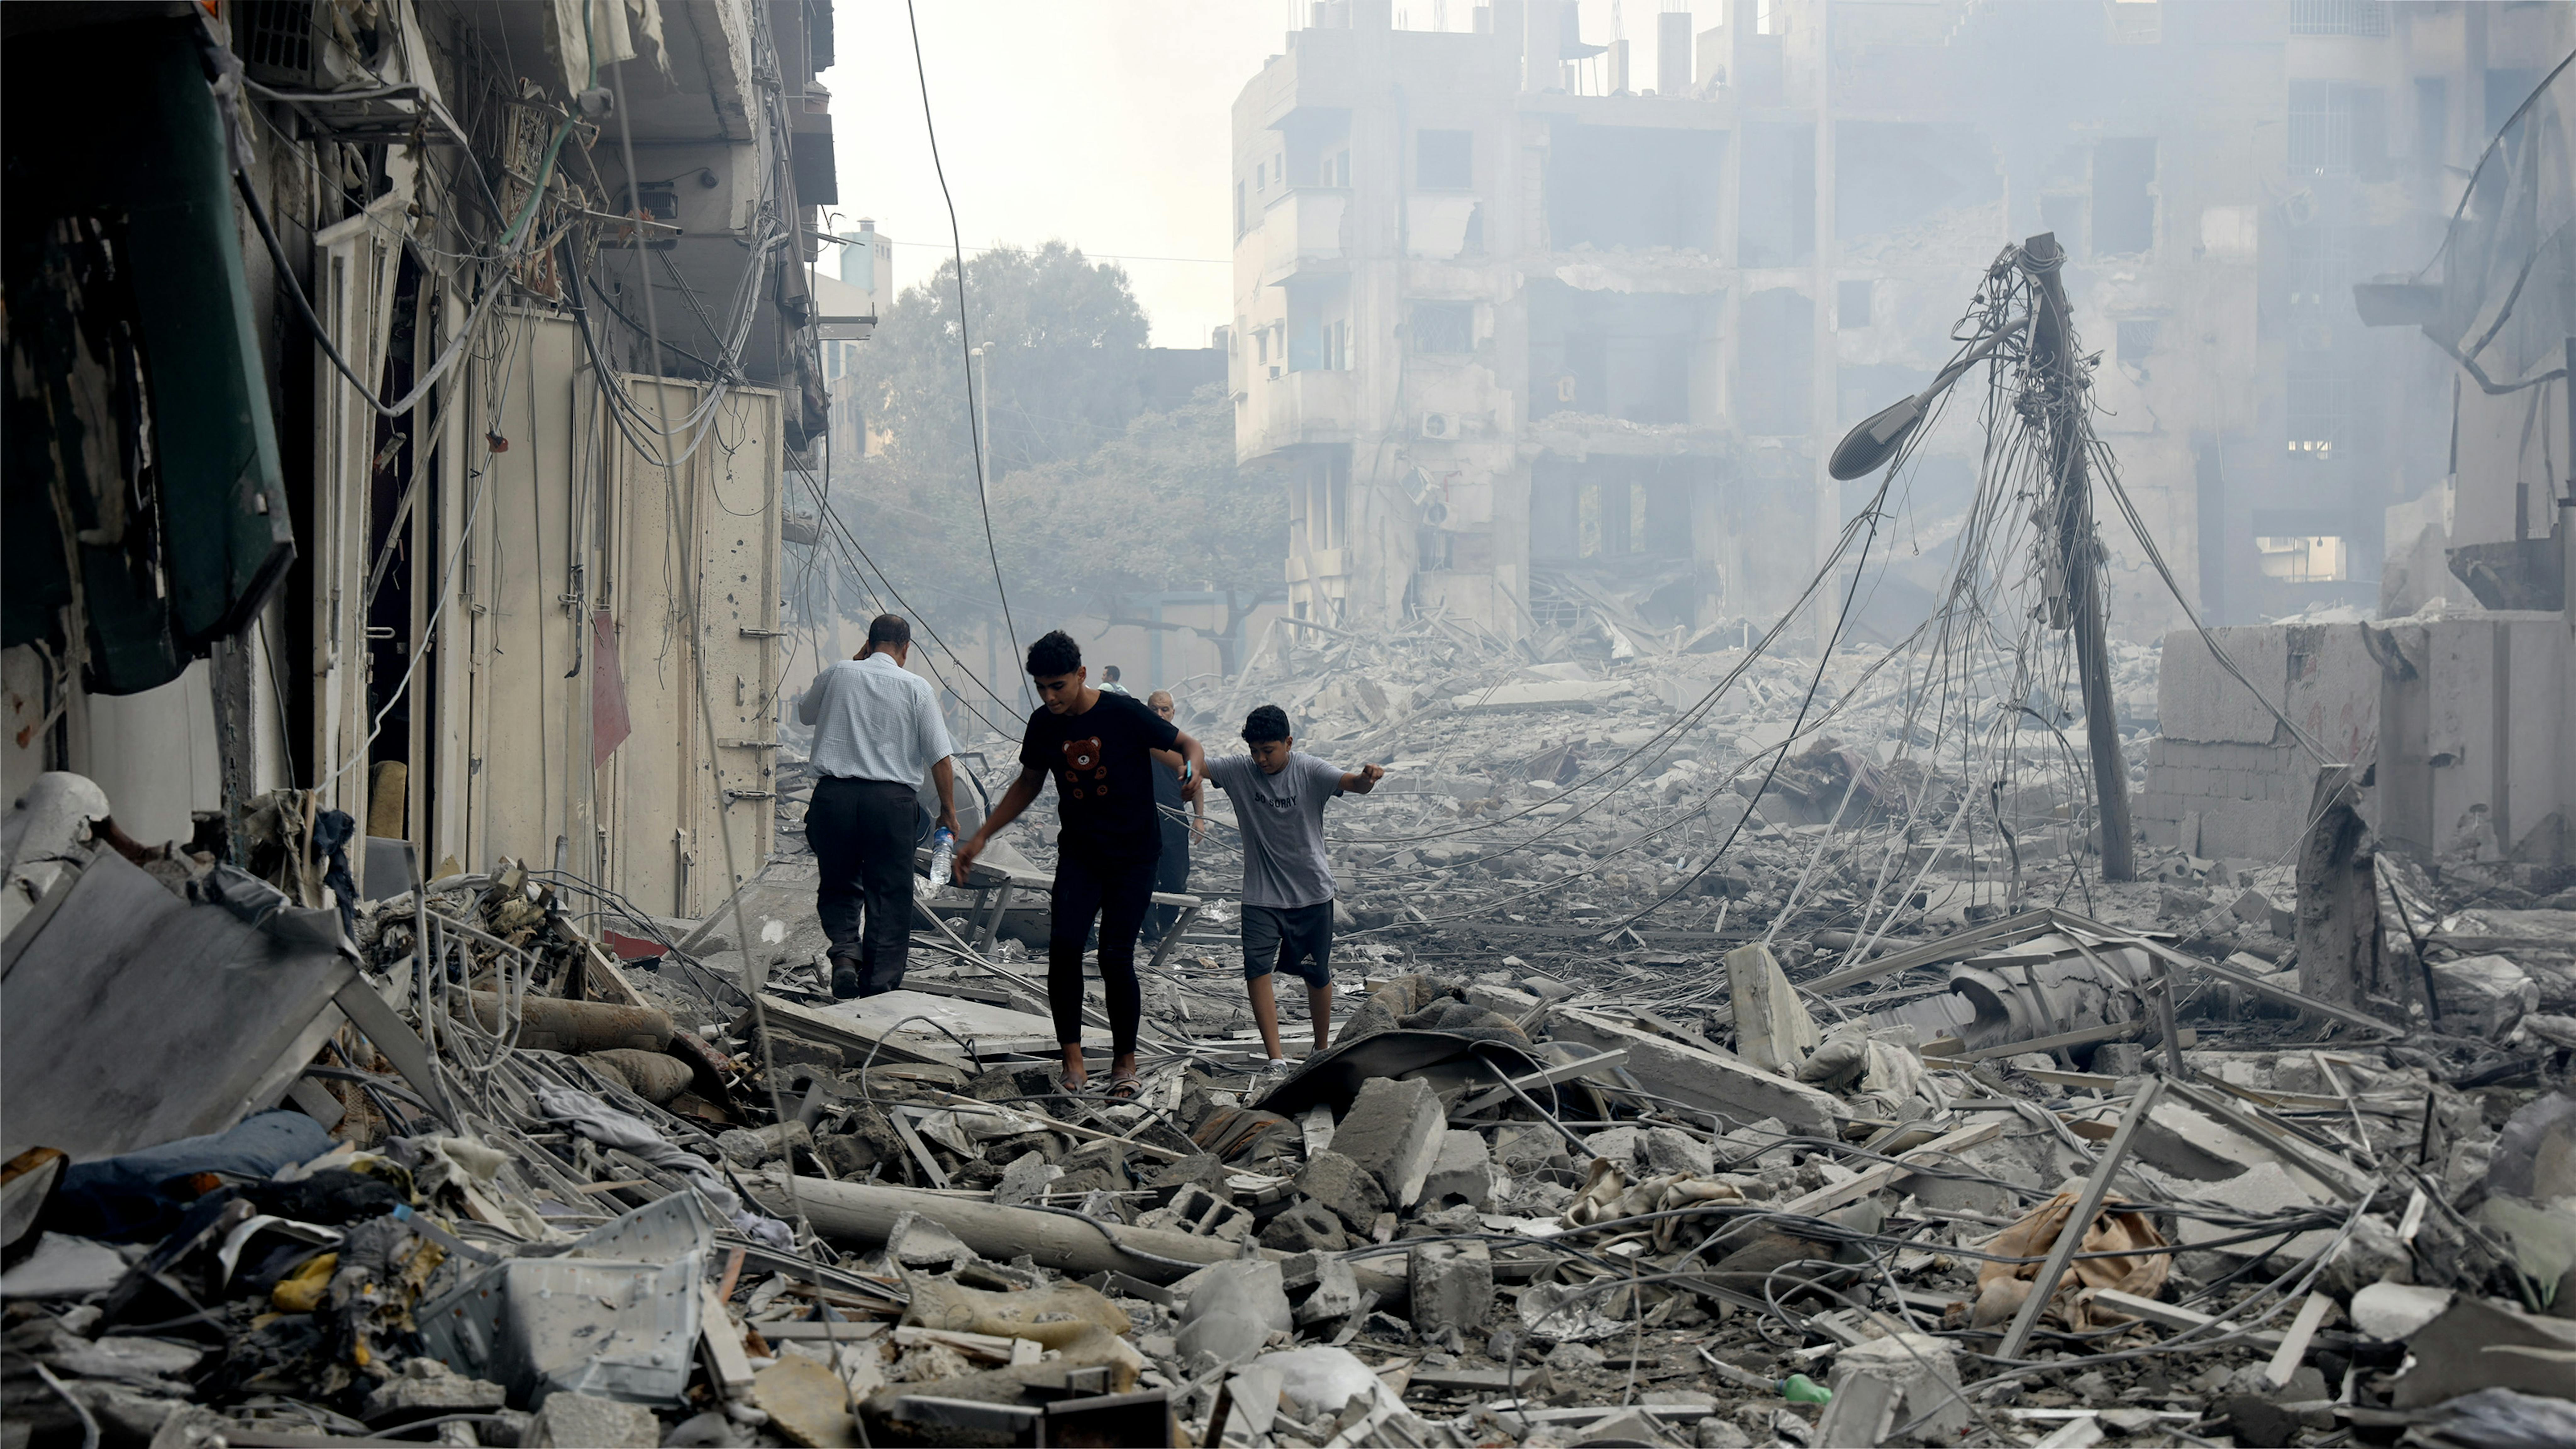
(405, 398)
(1521, 322)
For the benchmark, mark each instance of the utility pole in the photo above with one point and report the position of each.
(2075, 594)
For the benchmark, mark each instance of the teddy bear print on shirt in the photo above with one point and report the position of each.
(1083, 766)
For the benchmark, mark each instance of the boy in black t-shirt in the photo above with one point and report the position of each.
(1097, 746)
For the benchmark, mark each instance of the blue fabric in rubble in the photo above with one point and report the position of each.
(120, 1199)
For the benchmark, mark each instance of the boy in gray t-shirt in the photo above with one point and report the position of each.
(1279, 798)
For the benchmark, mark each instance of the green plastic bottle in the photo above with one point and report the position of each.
(1800, 1389)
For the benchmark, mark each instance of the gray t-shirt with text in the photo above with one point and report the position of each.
(1284, 864)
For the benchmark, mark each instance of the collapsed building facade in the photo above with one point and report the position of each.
(384, 492)
(1520, 322)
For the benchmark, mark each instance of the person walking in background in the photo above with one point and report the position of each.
(877, 732)
(1279, 798)
(1109, 681)
(1171, 778)
(1098, 747)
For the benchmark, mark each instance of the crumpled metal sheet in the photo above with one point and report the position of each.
(616, 1316)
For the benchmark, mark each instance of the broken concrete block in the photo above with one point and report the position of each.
(2181, 905)
(1665, 1150)
(1772, 1028)
(1904, 1377)
(1716, 1433)
(1452, 1285)
(1026, 1179)
(1619, 1144)
(807, 1403)
(1347, 1188)
(1463, 1173)
(1393, 1131)
(1722, 1084)
(2120, 1058)
(1336, 1295)
(1309, 1227)
(427, 1387)
(917, 1242)
(2483, 995)
(581, 1421)
(2259, 911)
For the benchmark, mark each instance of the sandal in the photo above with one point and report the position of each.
(1123, 1088)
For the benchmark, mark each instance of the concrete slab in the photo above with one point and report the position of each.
(1686, 1074)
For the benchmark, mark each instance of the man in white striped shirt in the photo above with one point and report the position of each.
(877, 731)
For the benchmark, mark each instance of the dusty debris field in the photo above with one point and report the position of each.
(1650, 1116)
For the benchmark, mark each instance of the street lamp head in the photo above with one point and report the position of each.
(1868, 446)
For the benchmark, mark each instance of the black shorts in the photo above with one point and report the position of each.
(1299, 938)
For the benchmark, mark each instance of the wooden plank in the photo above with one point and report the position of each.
(726, 1360)
(1826, 1199)
(2171, 1315)
(2294, 1343)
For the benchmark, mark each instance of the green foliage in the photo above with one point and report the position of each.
(1092, 497)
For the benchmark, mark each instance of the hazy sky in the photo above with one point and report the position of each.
(1102, 122)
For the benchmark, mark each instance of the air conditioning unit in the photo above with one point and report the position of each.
(294, 44)
(1440, 427)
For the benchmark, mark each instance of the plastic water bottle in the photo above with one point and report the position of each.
(943, 856)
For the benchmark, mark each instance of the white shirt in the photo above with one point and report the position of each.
(874, 721)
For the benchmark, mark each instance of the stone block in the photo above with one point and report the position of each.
(580, 1421)
(1619, 1144)
(427, 1387)
(1772, 1028)
(1464, 1172)
(2483, 995)
(1665, 1150)
(1393, 1131)
(2119, 1059)
(1902, 1378)
(1702, 1079)
(1336, 1295)
(1309, 1227)
(1349, 1190)
(1452, 1286)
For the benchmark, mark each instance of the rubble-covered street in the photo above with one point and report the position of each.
(1898, 703)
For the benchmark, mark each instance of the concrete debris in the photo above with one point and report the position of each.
(1778, 1165)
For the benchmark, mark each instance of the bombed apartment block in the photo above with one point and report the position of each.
(1484, 276)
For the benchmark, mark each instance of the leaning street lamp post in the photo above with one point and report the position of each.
(2075, 599)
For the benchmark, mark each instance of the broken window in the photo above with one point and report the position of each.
(1617, 354)
(1444, 326)
(1633, 186)
(2124, 200)
(1616, 511)
(2303, 558)
(2314, 404)
(2136, 340)
(1851, 304)
(1444, 160)
(1317, 497)
(1889, 174)
(1778, 193)
(1319, 335)
(2320, 264)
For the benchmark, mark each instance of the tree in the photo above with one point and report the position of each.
(1063, 340)
(1158, 509)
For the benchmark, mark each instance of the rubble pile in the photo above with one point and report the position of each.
(514, 1189)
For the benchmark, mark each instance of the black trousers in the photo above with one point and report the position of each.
(1172, 878)
(1117, 892)
(862, 833)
